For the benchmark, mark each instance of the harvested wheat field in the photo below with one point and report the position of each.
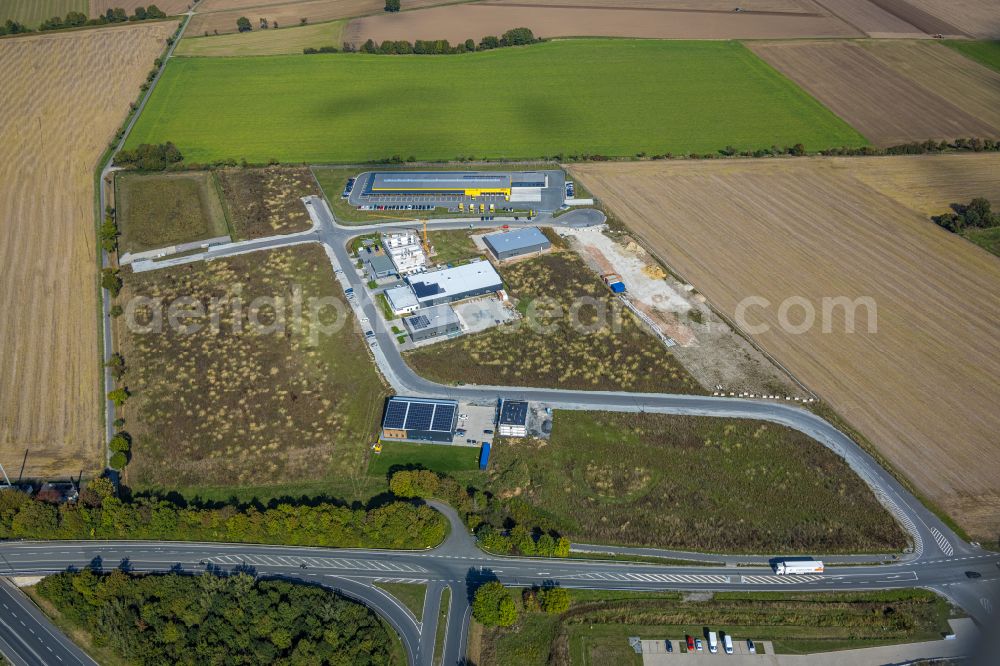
(979, 18)
(872, 89)
(220, 16)
(461, 22)
(922, 387)
(49, 370)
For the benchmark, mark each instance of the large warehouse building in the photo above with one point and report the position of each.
(510, 244)
(464, 183)
(420, 419)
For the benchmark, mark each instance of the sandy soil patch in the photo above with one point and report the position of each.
(883, 103)
(171, 7)
(922, 387)
(706, 346)
(462, 22)
(210, 18)
(49, 370)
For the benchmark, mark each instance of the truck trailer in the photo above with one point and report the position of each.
(798, 567)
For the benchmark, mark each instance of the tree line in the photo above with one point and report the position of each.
(502, 526)
(149, 157)
(513, 37)
(100, 514)
(493, 604)
(976, 215)
(76, 19)
(210, 619)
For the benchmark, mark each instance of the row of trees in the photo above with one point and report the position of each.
(105, 516)
(12, 27)
(493, 604)
(526, 532)
(210, 619)
(116, 15)
(149, 157)
(514, 37)
(976, 215)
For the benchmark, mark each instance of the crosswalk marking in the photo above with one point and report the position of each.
(779, 580)
(317, 562)
(653, 578)
(942, 542)
(987, 605)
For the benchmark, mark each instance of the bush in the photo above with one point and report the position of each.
(977, 215)
(392, 5)
(120, 443)
(149, 157)
(243, 24)
(111, 281)
(493, 605)
(119, 396)
(554, 600)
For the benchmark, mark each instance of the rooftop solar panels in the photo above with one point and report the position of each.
(419, 414)
(419, 321)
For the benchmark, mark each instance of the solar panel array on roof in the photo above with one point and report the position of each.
(420, 416)
(395, 415)
(413, 414)
(444, 417)
(419, 321)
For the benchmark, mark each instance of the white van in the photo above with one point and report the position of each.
(713, 642)
(727, 643)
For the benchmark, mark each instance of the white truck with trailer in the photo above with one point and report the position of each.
(798, 567)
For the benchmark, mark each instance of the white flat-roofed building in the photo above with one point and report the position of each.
(455, 284)
(405, 250)
(402, 300)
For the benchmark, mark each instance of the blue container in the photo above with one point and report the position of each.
(618, 287)
(484, 455)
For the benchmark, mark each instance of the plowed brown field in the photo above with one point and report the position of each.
(65, 95)
(221, 15)
(977, 17)
(461, 22)
(922, 387)
(881, 94)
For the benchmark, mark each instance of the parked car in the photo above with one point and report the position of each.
(751, 647)
(487, 432)
(463, 416)
(690, 643)
(697, 645)
(670, 648)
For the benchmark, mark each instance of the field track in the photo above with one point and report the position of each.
(896, 106)
(49, 370)
(461, 22)
(923, 387)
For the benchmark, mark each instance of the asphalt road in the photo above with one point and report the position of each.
(27, 637)
(938, 560)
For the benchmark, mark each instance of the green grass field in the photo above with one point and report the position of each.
(596, 628)
(409, 594)
(985, 52)
(283, 41)
(594, 96)
(442, 458)
(988, 239)
(32, 12)
(692, 483)
(159, 210)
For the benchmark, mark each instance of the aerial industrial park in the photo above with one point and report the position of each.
(413, 332)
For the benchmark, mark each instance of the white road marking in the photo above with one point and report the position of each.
(942, 542)
(987, 605)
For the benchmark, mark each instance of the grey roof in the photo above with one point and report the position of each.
(401, 298)
(438, 180)
(452, 282)
(520, 239)
(436, 316)
(380, 263)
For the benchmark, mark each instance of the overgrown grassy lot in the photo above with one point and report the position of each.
(985, 52)
(441, 458)
(727, 485)
(547, 349)
(32, 12)
(266, 202)
(263, 42)
(249, 407)
(160, 210)
(596, 628)
(566, 97)
(454, 246)
(988, 239)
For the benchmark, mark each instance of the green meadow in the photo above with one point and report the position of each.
(593, 96)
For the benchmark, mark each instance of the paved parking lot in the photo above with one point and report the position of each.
(482, 313)
(481, 416)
